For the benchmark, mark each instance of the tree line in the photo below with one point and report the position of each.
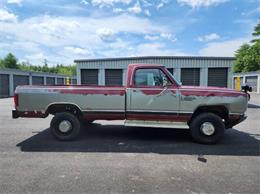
(10, 61)
(248, 55)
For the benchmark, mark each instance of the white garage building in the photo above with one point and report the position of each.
(201, 71)
(11, 78)
(248, 78)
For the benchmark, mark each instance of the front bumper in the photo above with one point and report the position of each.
(15, 114)
(235, 119)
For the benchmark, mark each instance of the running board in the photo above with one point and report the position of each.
(159, 124)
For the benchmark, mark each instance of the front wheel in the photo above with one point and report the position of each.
(65, 126)
(207, 128)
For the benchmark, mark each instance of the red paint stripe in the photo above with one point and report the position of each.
(234, 117)
(70, 86)
(159, 117)
(91, 91)
(136, 116)
(211, 93)
(104, 116)
(156, 92)
(151, 92)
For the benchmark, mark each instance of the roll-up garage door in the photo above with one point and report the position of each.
(50, 81)
(170, 70)
(4, 85)
(217, 77)
(252, 82)
(20, 80)
(74, 81)
(36, 80)
(190, 76)
(60, 81)
(89, 76)
(114, 77)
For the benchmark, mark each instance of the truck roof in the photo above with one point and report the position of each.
(144, 64)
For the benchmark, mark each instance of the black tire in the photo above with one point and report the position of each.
(207, 118)
(70, 119)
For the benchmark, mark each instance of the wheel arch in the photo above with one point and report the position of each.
(220, 110)
(54, 108)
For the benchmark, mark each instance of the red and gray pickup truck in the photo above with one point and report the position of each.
(152, 97)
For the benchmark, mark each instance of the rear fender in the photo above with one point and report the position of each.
(54, 108)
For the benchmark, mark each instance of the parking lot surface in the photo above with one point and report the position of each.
(115, 159)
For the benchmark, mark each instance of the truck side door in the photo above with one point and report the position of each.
(152, 96)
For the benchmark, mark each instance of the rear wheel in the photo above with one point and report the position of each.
(65, 126)
(207, 128)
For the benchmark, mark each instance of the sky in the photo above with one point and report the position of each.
(61, 31)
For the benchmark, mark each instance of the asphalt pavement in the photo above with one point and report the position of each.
(110, 158)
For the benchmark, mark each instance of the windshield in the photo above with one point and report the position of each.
(178, 82)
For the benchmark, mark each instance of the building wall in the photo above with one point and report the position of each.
(177, 63)
(13, 72)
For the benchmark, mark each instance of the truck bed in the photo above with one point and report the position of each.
(86, 97)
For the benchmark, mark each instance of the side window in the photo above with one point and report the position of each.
(150, 77)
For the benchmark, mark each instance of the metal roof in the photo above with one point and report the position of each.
(246, 73)
(31, 72)
(156, 57)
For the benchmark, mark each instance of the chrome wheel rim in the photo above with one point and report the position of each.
(207, 128)
(65, 126)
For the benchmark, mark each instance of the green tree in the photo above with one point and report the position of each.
(252, 59)
(25, 66)
(1, 63)
(240, 55)
(66, 70)
(248, 56)
(45, 67)
(256, 34)
(10, 61)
